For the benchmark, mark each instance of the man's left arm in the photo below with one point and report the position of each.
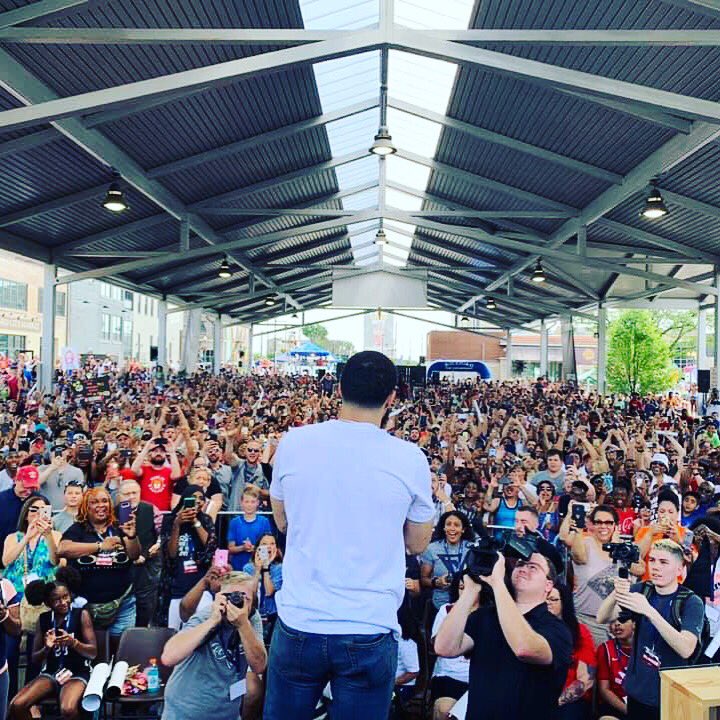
(683, 641)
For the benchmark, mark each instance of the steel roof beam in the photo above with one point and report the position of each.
(711, 8)
(28, 142)
(506, 141)
(25, 86)
(202, 77)
(635, 109)
(272, 182)
(480, 181)
(657, 240)
(259, 140)
(36, 10)
(166, 36)
(230, 246)
(571, 258)
(555, 75)
(51, 205)
(691, 203)
(244, 318)
(663, 159)
(145, 223)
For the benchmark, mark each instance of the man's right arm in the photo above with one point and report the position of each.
(451, 639)
(417, 535)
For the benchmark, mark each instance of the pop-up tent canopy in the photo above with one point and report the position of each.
(308, 348)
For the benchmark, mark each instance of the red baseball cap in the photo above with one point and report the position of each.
(29, 476)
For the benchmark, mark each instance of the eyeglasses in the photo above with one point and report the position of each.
(34, 509)
(533, 567)
(603, 523)
(253, 450)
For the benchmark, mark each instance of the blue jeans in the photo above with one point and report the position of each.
(360, 670)
(125, 617)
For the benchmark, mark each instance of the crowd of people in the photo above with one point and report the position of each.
(146, 500)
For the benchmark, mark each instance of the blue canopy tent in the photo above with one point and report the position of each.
(310, 348)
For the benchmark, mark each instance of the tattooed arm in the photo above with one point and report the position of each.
(583, 683)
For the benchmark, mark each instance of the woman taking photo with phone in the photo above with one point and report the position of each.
(188, 542)
(266, 568)
(64, 647)
(103, 551)
(29, 554)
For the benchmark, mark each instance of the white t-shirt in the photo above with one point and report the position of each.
(408, 660)
(6, 482)
(457, 668)
(348, 488)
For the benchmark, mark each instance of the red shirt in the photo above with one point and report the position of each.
(156, 486)
(584, 651)
(627, 517)
(612, 662)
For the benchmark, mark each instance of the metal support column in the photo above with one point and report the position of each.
(543, 348)
(508, 353)
(47, 342)
(716, 339)
(702, 362)
(602, 349)
(162, 334)
(217, 344)
(248, 364)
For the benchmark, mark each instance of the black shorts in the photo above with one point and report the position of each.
(443, 686)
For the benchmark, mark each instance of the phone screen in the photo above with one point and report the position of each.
(220, 558)
(124, 511)
(189, 503)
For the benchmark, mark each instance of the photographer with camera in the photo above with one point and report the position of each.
(212, 654)
(585, 534)
(669, 621)
(531, 648)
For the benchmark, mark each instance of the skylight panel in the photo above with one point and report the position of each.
(420, 80)
(347, 80)
(402, 200)
(432, 15)
(408, 173)
(361, 201)
(352, 133)
(339, 14)
(413, 133)
(357, 173)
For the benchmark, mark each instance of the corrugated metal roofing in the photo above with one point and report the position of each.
(521, 108)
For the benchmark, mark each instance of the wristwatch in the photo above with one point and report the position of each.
(197, 524)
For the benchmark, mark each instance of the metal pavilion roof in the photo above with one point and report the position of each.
(524, 131)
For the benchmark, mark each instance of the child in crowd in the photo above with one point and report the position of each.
(245, 530)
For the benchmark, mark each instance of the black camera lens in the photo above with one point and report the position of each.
(236, 598)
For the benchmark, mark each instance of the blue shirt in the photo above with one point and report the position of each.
(642, 680)
(266, 604)
(10, 506)
(241, 530)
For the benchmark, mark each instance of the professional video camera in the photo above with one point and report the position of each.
(625, 553)
(482, 554)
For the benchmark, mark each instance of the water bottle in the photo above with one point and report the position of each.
(153, 676)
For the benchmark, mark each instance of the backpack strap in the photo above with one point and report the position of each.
(683, 593)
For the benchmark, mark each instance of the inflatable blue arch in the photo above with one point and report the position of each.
(447, 366)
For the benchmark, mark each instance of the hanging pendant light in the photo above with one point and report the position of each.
(538, 275)
(654, 205)
(115, 199)
(382, 143)
(491, 304)
(381, 237)
(224, 272)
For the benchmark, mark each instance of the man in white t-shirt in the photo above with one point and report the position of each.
(351, 498)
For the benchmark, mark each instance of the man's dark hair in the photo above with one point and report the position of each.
(529, 509)
(368, 379)
(668, 496)
(553, 452)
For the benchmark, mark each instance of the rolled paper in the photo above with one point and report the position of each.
(117, 680)
(92, 699)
